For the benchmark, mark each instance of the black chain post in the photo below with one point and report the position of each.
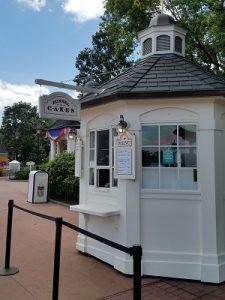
(137, 255)
(7, 270)
(58, 234)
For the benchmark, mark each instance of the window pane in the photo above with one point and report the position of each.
(187, 135)
(103, 148)
(150, 178)
(92, 155)
(168, 179)
(103, 178)
(150, 157)
(92, 139)
(168, 135)
(188, 157)
(91, 177)
(150, 135)
(188, 179)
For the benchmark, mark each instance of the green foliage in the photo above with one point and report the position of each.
(204, 21)
(61, 171)
(18, 129)
(3, 172)
(23, 174)
(116, 40)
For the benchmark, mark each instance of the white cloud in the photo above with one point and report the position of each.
(36, 5)
(83, 10)
(13, 93)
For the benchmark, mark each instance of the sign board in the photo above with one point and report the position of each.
(168, 157)
(124, 156)
(78, 157)
(59, 105)
(30, 163)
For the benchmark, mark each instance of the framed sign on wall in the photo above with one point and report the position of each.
(124, 156)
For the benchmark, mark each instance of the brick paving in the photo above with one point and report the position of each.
(81, 277)
(172, 289)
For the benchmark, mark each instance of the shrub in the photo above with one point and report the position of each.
(61, 172)
(23, 174)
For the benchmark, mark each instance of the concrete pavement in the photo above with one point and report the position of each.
(81, 277)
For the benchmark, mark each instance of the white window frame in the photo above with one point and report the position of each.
(112, 181)
(178, 168)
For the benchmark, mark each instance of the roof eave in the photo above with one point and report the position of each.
(146, 95)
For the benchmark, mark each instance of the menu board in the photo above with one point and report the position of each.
(124, 161)
(124, 154)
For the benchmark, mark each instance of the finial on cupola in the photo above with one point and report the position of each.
(162, 36)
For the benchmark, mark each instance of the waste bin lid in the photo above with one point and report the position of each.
(14, 162)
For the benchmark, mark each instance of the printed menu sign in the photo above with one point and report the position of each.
(125, 156)
(124, 162)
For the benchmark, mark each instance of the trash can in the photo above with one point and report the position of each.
(38, 187)
(14, 167)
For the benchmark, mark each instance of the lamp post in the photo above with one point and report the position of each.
(16, 139)
(38, 132)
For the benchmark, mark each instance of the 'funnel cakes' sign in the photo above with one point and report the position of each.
(59, 106)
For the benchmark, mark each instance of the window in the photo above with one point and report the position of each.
(169, 157)
(163, 43)
(147, 46)
(178, 44)
(101, 164)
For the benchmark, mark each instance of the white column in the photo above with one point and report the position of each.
(58, 150)
(211, 186)
(70, 145)
(52, 149)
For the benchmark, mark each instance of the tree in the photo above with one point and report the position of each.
(122, 20)
(19, 125)
(204, 21)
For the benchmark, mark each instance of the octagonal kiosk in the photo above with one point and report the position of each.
(38, 187)
(173, 205)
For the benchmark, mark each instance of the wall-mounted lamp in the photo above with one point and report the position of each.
(122, 126)
(71, 134)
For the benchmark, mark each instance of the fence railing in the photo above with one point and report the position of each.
(135, 250)
(68, 193)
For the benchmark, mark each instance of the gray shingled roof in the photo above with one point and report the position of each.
(165, 75)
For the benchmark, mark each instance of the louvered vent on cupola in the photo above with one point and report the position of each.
(162, 36)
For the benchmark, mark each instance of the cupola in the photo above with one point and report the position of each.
(162, 36)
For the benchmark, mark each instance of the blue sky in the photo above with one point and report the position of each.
(41, 39)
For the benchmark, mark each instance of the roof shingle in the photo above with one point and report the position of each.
(165, 74)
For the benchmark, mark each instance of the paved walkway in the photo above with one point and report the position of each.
(81, 277)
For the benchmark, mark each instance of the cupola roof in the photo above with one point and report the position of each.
(162, 20)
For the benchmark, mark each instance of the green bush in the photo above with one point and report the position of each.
(23, 174)
(61, 172)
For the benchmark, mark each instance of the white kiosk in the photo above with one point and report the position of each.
(170, 200)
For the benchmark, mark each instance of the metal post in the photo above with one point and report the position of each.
(137, 255)
(58, 234)
(7, 270)
(38, 148)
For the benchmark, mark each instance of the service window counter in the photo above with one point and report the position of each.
(38, 187)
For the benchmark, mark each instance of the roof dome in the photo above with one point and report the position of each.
(162, 20)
